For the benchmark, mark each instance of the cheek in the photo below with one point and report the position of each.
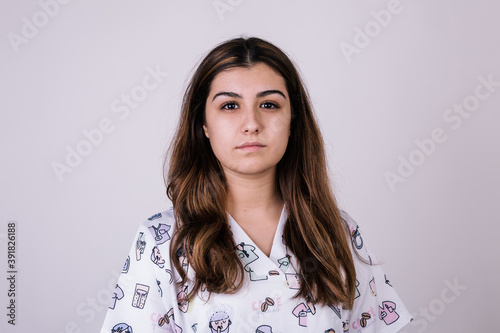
(220, 123)
(280, 129)
(220, 141)
(279, 125)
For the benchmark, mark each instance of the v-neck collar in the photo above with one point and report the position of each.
(261, 263)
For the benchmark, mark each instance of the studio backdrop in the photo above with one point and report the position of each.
(407, 95)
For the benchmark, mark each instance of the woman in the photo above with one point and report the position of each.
(254, 240)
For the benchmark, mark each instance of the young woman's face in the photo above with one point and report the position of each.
(247, 119)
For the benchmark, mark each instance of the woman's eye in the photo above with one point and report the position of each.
(269, 105)
(229, 106)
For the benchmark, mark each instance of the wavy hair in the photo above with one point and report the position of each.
(314, 231)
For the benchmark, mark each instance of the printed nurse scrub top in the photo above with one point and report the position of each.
(146, 298)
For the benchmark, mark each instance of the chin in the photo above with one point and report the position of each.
(249, 167)
(254, 170)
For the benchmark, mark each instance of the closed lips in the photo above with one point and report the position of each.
(250, 144)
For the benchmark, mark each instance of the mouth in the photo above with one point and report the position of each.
(250, 146)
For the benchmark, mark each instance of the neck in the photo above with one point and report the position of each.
(252, 192)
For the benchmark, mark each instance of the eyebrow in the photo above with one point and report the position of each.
(260, 94)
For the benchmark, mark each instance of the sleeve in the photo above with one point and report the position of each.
(137, 302)
(377, 307)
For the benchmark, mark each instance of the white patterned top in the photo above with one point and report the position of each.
(146, 297)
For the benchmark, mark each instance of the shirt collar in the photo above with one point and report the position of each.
(252, 256)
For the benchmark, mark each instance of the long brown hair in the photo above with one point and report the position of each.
(314, 232)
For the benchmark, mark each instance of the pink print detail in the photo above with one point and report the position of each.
(303, 309)
(292, 280)
(387, 312)
(300, 311)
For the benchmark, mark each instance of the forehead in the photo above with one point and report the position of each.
(258, 77)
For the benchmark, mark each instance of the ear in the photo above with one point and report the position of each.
(206, 131)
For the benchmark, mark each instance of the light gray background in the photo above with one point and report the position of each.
(437, 228)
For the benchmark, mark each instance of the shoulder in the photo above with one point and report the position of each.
(347, 219)
(166, 216)
(160, 225)
(376, 303)
(351, 226)
(154, 236)
(359, 249)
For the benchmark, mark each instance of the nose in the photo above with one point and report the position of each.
(251, 121)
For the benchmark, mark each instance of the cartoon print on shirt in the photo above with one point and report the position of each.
(365, 316)
(266, 304)
(287, 315)
(182, 257)
(387, 312)
(357, 239)
(121, 328)
(387, 281)
(264, 329)
(140, 246)
(117, 295)
(284, 263)
(357, 290)
(345, 326)
(169, 272)
(292, 280)
(273, 272)
(247, 253)
(310, 303)
(156, 257)
(154, 217)
(169, 316)
(373, 287)
(302, 309)
(182, 300)
(126, 266)
(335, 309)
(140, 296)
(219, 322)
(159, 288)
(163, 320)
(160, 233)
